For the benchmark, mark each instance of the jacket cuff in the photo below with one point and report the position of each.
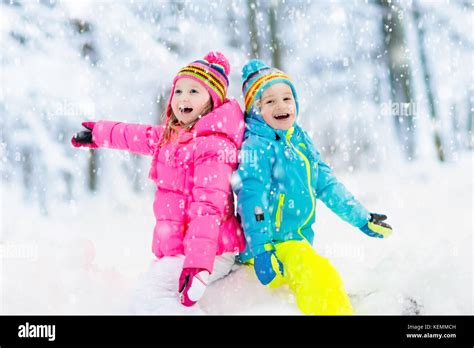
(260, 249)
(200, 253)
(363, 219)
(102, 132)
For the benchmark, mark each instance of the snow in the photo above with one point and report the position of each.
(65, 249)
(91, 256)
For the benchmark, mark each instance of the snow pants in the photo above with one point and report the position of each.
(157, 292)
(315, 282)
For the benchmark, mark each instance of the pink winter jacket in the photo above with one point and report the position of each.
(193, 205)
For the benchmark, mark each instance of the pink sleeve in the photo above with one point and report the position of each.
(136, 138)
(210, 199)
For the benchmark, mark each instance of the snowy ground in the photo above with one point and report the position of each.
(89, 258)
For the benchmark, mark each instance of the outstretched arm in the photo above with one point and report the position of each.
(342, 202)
(136, 138)
(338, 198)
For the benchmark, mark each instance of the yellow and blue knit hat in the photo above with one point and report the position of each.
(257, 76)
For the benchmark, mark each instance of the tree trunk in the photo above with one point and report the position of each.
(470, 119)
(253, 32)
(92, 170)
(455, 128)
(427, 80)
(234, 38)
(26, 160)
(275, 41)
(89, 53)
(400, 75)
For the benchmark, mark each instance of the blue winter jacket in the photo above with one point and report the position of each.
(279, 178)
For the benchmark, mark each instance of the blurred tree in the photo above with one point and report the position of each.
(274, 37)
(253, 29)
(455, 137)
(398, 62)
(89, 53)
(470, 119)
(432, 105)
(233, 22)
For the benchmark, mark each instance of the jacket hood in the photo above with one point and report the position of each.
(227, 120)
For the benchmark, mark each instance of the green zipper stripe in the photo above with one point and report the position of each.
(308, 174)
(281, 200)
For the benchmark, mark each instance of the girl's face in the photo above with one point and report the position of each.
(277, 106)
(190, 101)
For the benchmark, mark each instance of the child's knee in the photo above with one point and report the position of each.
(322, 292)
(317, 285)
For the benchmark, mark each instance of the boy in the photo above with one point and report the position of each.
(277, 196)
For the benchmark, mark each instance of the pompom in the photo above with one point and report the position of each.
(215, 57)
(251, 67)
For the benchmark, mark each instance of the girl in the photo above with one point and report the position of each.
(277, 196)
(196, 232)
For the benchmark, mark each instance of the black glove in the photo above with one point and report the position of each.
(375, 227)
(84, 138)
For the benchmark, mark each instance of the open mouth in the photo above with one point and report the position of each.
(281, 116)
(185, 110)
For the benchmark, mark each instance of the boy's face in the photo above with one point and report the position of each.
(277, 106)
(190, 101)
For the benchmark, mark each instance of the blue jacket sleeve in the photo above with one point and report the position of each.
(338, 198)
(251, 183)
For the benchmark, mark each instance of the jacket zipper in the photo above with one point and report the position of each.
(279, 213)
(308, 175)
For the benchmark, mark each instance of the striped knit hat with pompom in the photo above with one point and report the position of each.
(211, 72)
(257, 76)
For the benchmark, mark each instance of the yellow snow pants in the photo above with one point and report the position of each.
(315, 282)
